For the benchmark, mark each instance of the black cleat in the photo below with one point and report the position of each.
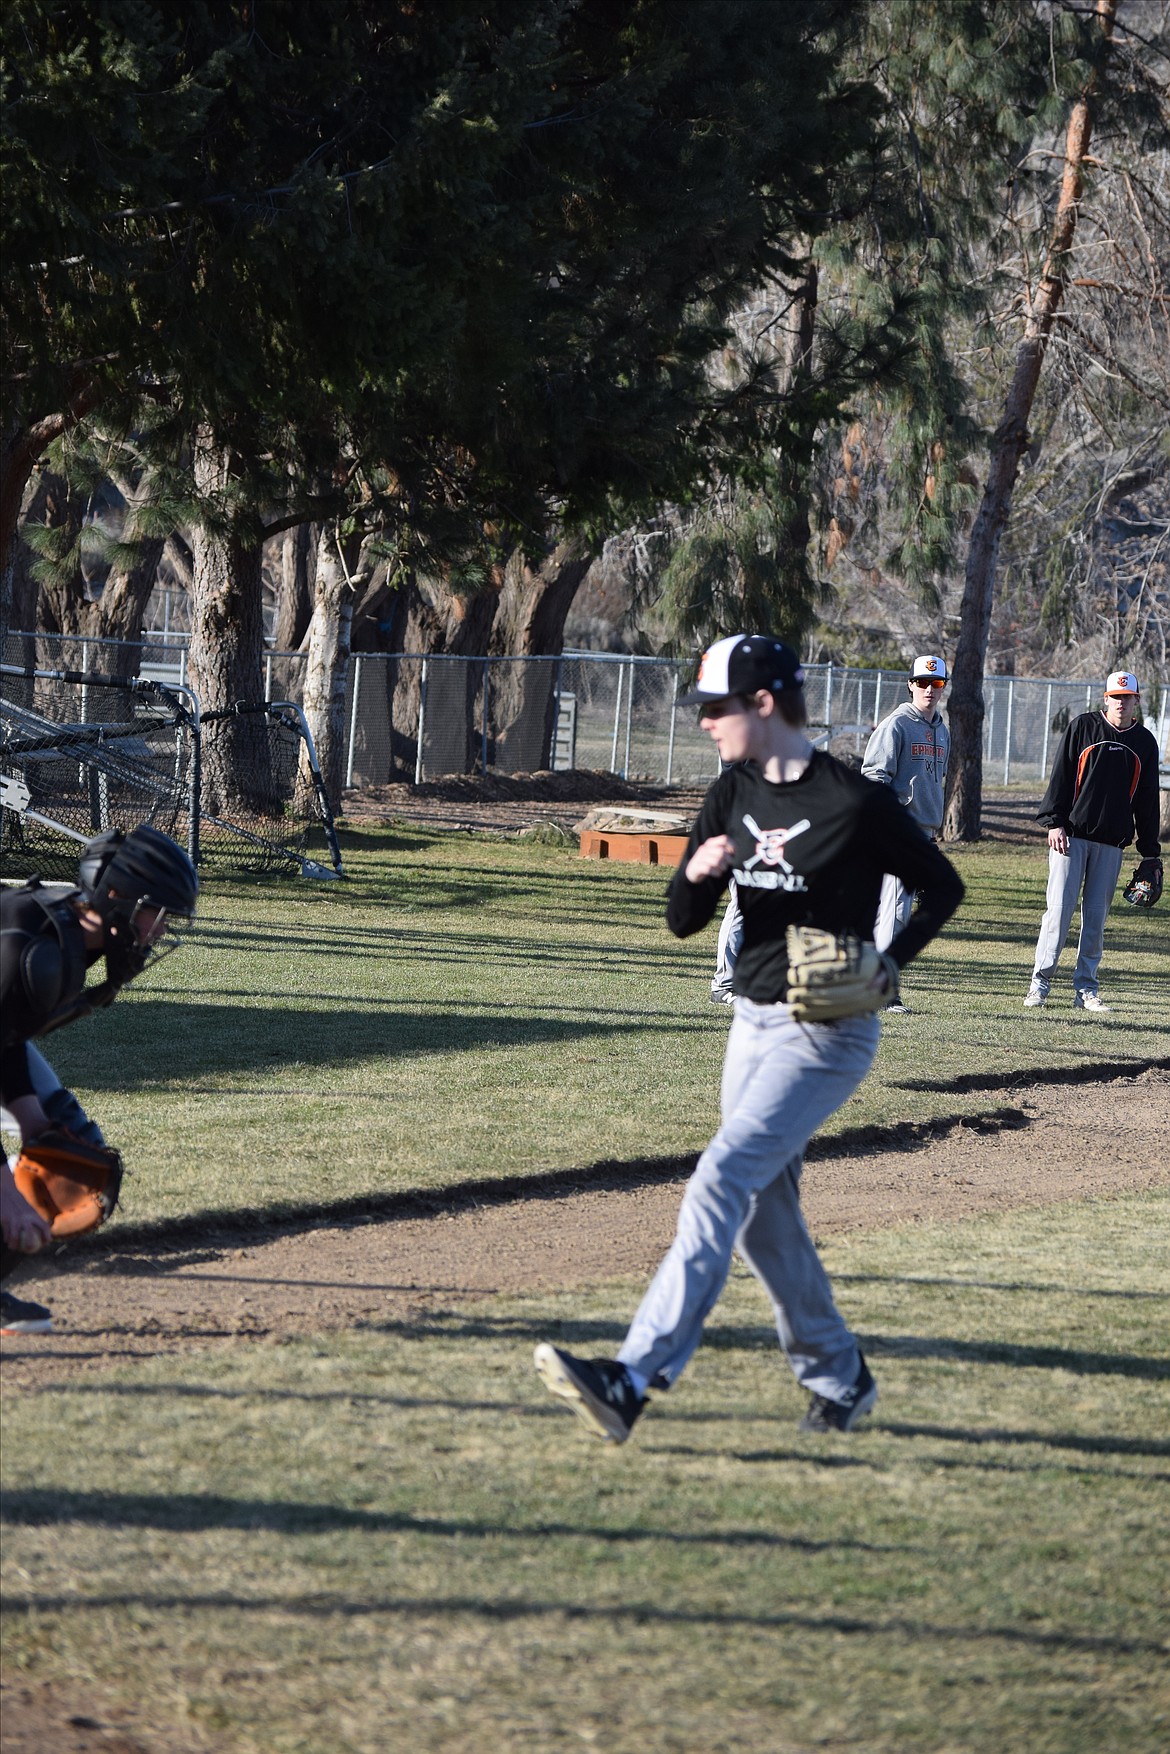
(826, 1415)
(23, 1318)
(599, 1390)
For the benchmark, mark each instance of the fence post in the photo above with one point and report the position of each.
(268, 681)
(353, 718)
(673, 711)
(629, 718)
(422, 720)
(617, 719)
(1007, 736)
(829, 704)
(195, 782)
(1047, 728)
(556, 712)
(483, 762)
(989, 748)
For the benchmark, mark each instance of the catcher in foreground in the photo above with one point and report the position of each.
(807, 842)
(133, 888)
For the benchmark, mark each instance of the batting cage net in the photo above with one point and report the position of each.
(262, 799)
(81, 752)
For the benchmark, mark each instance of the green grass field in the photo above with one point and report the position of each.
(466, 1008)
(391, 1539)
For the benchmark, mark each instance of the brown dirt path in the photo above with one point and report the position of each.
(512, 803)
(1054, 1143)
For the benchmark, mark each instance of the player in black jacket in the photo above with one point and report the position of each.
(132, 887)
(1103, 789)
(807, 842)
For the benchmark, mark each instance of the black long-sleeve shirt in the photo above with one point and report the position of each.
(1104, 785)
(811, 852)
(42, 966)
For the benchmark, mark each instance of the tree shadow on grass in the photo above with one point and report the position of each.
(904, 1633)
(577, 1334)
(181, 1040)
(860, 1457)
(1108, 1445)
(1067, 1358)
(335, 946)
(913, 1280)
(43, 1507)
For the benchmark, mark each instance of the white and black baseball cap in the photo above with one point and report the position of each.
(930, 668)
(1122, 682)
(742, 664)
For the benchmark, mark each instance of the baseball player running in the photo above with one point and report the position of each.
(1103, 788)
(132, 887)
(909, 750)
(807, 842)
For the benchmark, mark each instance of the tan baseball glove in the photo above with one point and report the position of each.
(830, 975)
(73, 1185)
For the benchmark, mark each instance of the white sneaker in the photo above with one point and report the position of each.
(1036, 994)
(1090, 1002)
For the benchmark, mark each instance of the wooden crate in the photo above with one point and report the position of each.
(633, 848)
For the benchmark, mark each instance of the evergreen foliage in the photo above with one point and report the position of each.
(425, 255)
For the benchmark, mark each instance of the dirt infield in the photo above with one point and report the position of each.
(236, 1287)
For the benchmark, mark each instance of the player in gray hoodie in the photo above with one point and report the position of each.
(909, 751)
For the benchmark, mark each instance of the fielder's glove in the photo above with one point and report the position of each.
(72, 1184)
(1145, 886)
(831, 976)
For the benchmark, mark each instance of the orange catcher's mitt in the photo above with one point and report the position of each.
(74, 1186)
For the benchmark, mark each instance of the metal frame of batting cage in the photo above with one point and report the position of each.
(291, 716)
(186, 713)
(102, 736)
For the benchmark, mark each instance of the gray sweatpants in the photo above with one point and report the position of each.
(781, 1081)
(895, 906)
(730, 943)
(1090, 871)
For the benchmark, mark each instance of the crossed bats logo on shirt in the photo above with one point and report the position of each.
(770, 843)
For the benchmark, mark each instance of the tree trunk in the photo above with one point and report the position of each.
(18, 613)
(21, 448)
(327, 667)
(441, 624)
(1010, 440)
(797, 460)
(225, 660)
(530, 622)
(294, 608)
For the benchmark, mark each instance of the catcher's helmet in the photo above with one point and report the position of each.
(122, 873)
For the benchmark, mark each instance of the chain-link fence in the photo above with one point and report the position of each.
(82, 751)
(420, 718)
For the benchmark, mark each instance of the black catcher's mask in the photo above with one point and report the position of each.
(120, 875)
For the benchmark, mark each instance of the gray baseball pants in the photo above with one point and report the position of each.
(730, 943)
(781, 1081)
(895, 906)
(1090, 871)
